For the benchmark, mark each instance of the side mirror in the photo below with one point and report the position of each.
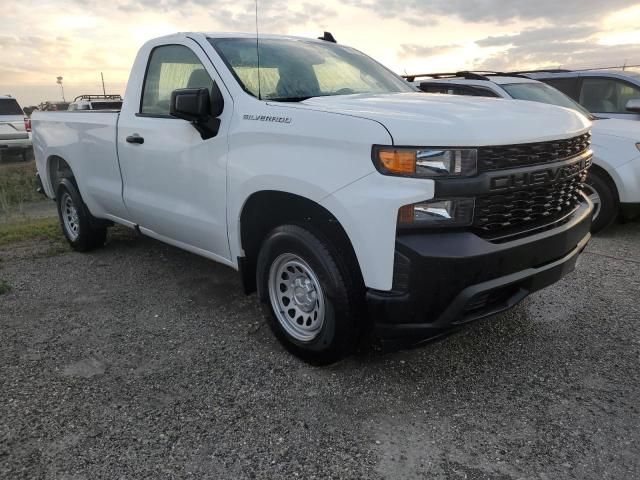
(191, 104)
(633, 105)
(196, 106)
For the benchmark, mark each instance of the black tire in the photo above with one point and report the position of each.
(599, 186)
(343, 296)
(89, 233)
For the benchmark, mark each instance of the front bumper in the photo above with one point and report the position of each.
(457, 277)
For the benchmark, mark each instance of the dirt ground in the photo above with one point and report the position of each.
(142, 361)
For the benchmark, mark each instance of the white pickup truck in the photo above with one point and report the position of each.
(348, 200)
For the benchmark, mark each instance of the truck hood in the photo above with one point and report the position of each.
(451, 120)
(614, 127)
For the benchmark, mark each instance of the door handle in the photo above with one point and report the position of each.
(135, 138)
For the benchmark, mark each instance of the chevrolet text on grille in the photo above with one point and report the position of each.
(549, 174)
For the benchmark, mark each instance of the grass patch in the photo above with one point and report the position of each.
(38, 229)
(4, 287)
(18, 184)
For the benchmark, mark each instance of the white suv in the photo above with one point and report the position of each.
(15, 127)
(606, 93)
(614, 179)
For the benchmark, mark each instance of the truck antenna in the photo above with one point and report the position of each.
(103, 90)
(258, 53)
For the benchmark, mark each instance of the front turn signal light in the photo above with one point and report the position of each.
(400, 162)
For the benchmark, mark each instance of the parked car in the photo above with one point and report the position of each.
(346, 198)
(96, 102)
(613, 183)
(15, 128)
(53, 106)
(606, 93)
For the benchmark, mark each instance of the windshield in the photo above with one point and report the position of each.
(294, 70)
(541, 92)
(9, 106)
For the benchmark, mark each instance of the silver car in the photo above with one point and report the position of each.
(15, 128)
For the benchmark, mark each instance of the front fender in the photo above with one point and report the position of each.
(312, 156)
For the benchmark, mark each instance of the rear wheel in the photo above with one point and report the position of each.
(81, 229)
(604, 197)
(311, 299)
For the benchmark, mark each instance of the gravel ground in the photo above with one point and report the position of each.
(143, 361)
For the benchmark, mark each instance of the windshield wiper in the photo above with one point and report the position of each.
(290, 99)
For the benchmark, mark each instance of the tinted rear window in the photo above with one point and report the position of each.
(106, 105)
(9, 106)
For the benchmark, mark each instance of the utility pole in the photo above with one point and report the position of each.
(59, 82)
(103, 90)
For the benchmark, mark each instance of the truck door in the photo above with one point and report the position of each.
(174, 182)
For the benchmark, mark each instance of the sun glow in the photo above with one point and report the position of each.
(626, 19)
(621, 38)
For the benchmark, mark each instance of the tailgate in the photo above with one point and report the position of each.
(12, 128)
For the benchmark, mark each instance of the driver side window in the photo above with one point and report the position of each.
(171, 67)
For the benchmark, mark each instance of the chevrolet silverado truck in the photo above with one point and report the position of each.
(351, 202)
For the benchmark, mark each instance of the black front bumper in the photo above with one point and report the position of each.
(457, 277)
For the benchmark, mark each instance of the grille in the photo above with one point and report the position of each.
(512, 156)
(518, 210)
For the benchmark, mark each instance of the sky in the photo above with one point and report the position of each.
(78, 39)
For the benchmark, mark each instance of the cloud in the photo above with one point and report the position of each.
(239, 15)
(554, 46)
(566, 55)
(494, 10)
(411, 50)
(273, 16)
(554, 34)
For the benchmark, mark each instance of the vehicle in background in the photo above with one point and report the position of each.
(613, 183)
(346, 198)
(53, 106)
(96, 102)
(15, 128)
(606, 93)
(29, 110)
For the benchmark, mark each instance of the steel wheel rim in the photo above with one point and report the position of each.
(70, 216)
(296, 297)
(594, 196)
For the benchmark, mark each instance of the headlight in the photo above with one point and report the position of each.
(454, 212)
(426, 162)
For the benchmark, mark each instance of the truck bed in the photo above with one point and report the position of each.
(88, 140)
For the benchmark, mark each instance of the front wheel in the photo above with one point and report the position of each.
(80, 228)
(311, 298)
(604, 198)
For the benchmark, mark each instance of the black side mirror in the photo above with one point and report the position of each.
(196, 106)
(191, 104)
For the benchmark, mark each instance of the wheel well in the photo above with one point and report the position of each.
(266, 210)
(602, 173)
(58, 169)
